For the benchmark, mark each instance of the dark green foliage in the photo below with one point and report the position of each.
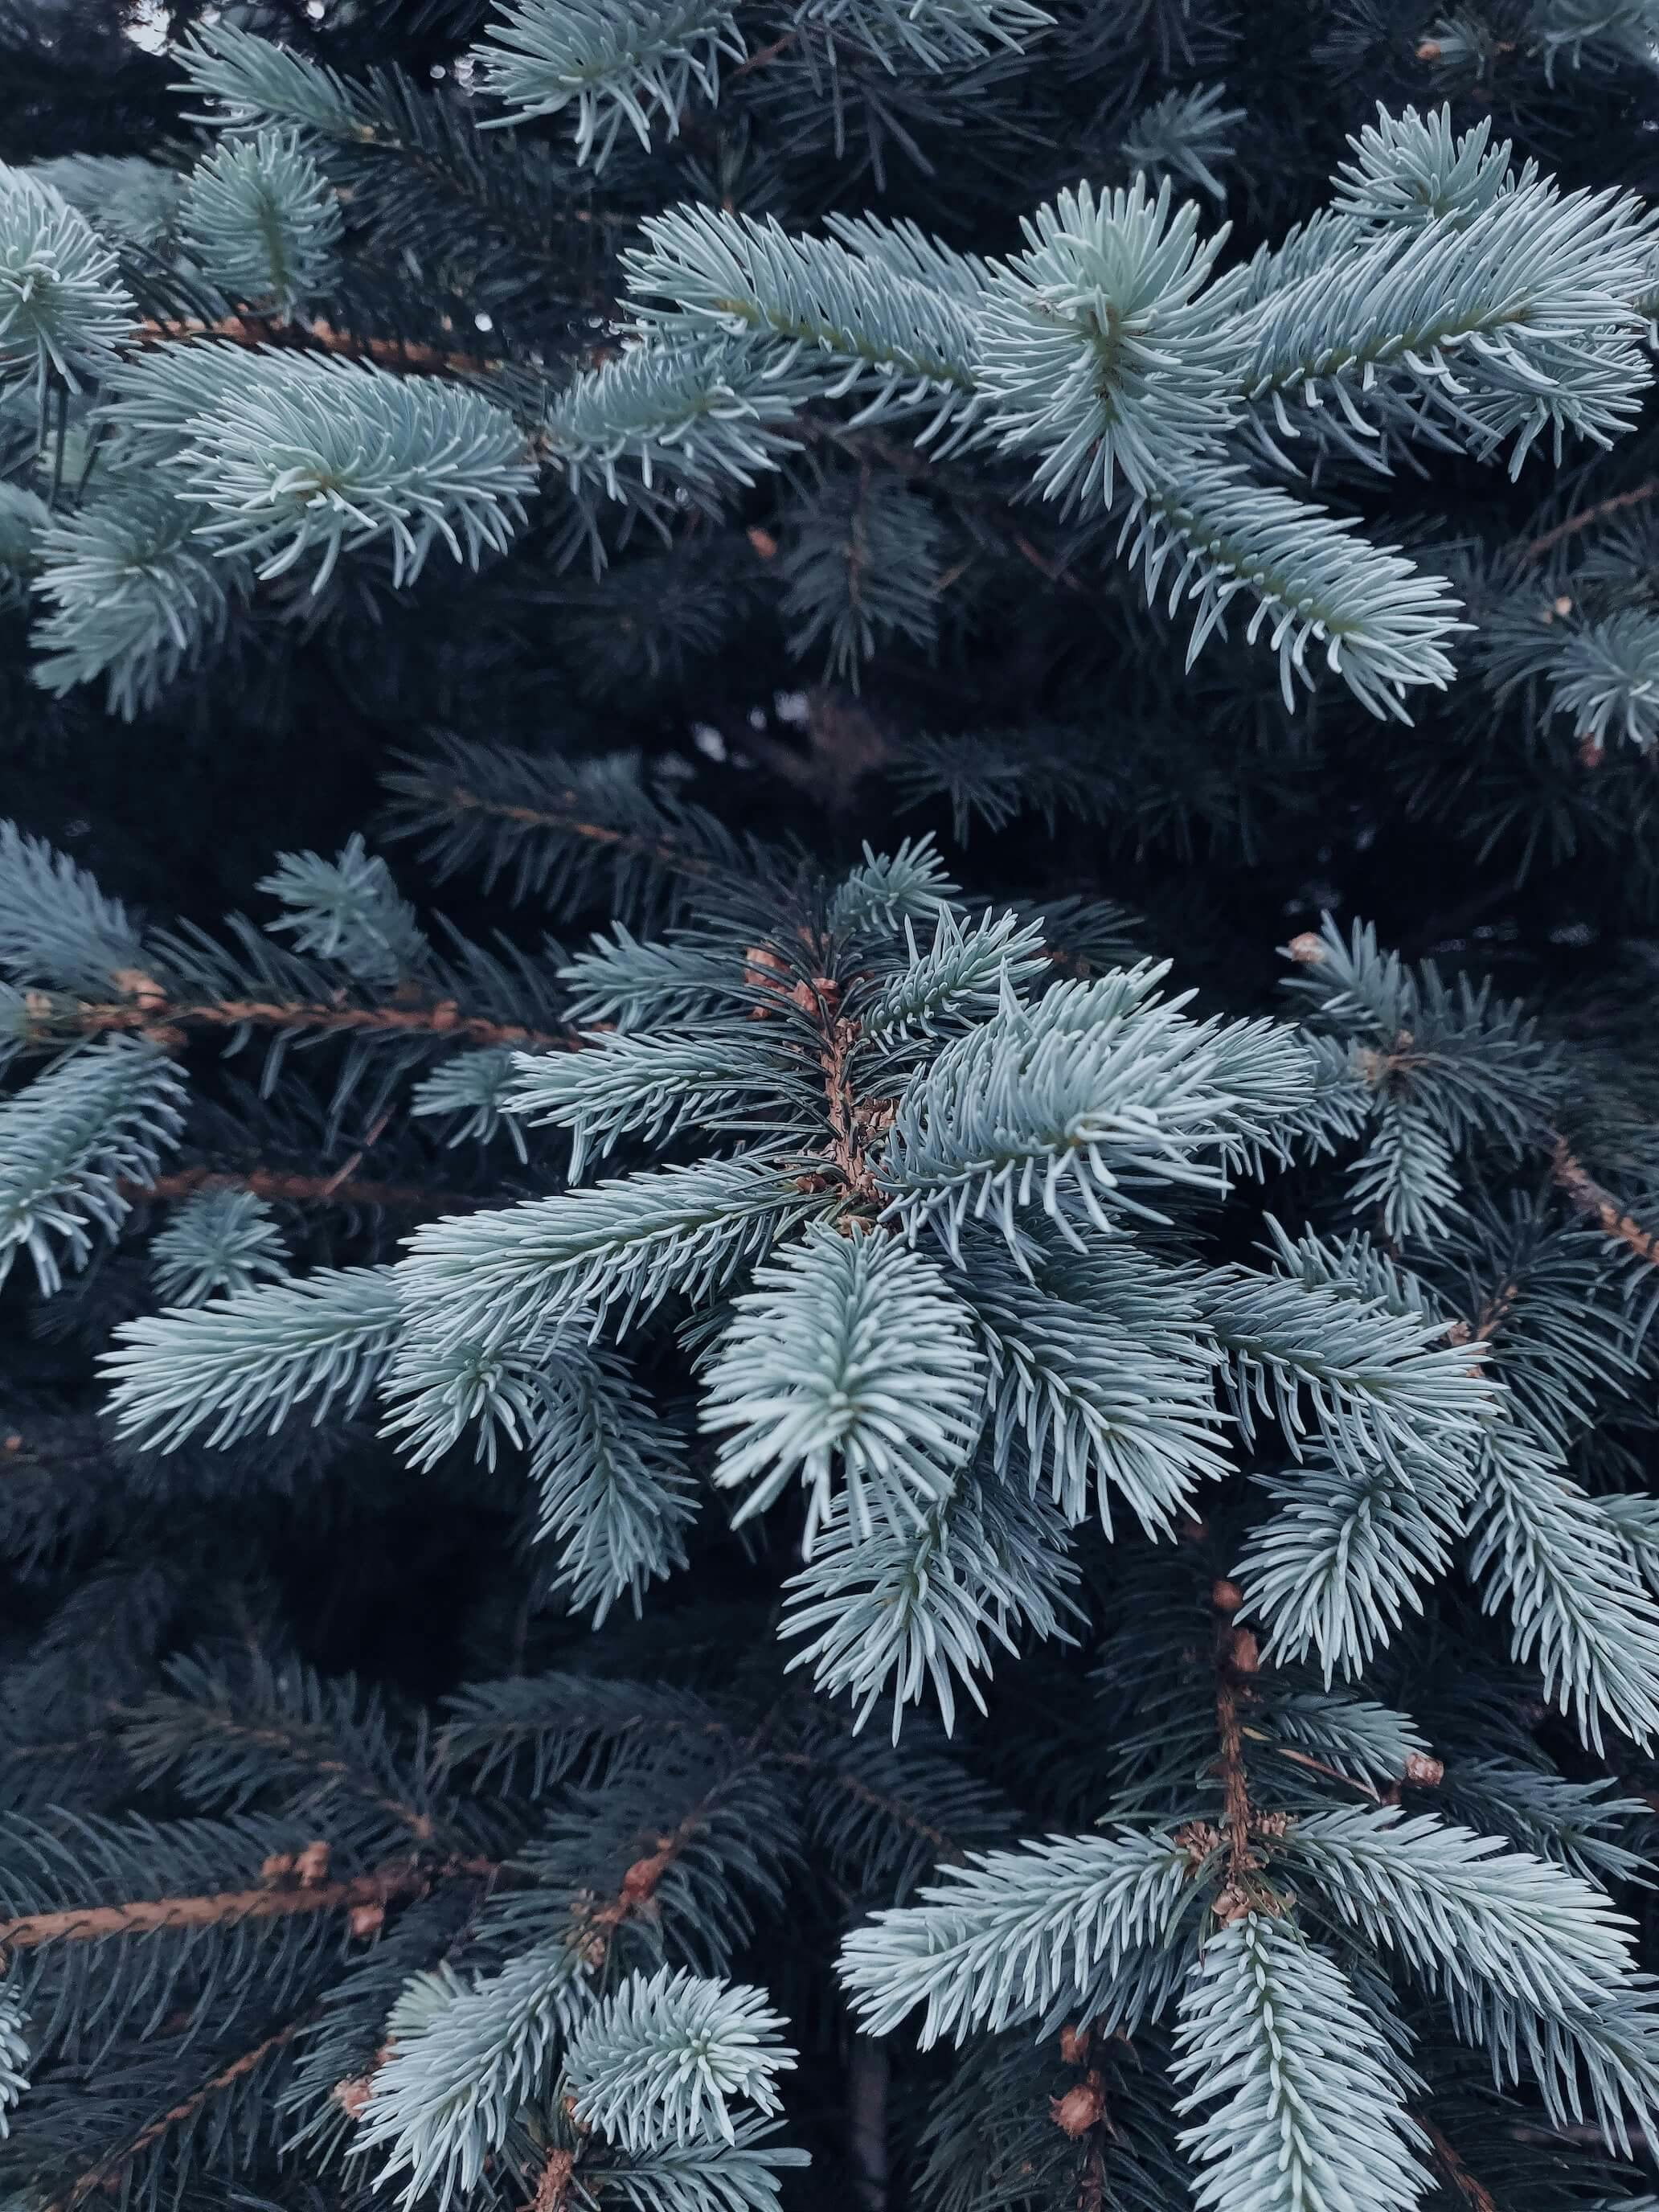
(874, 1527)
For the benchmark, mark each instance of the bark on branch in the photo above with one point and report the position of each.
(226, 1907)
(319, 336)
(1588, 1198)
(166, 1024)
(284, 1189)
(107, 2171)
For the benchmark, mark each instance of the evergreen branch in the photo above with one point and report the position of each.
(250, 1360)
(58, 931)
(107, 2174)
(1588, 1198)
(318, 456)
(276, 1185)
(70, 1140)
(1012, 1934)
(664, 2053)
(1314, 2118)
(627, 844)
(64, 311)
(261, 220)
(255, 333)
(150, 1013)
(624, 1244)
(1534, 549)
(1101, 1366)
(1478, 2198)
(625, 61)
(916, 1606)
(464, 2054)
(564, 831)
(219, 1240)
(1465, 1910)
(228, 1907)
(1102, 350)
(1384, 627)
(1076, 1104)
(851, 1351)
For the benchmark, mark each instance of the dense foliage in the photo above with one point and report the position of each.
(956, 1508)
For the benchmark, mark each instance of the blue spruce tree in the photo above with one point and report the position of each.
(956, 1509)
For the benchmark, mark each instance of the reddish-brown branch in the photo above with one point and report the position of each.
(1493, 1312)
(596, 1923)
(1235, 1786)
(166, 1022)
(320, 337)
(1331, 1773)
(1537, 547)
(598, 833)
(949, 1853)
(759, 60)
(226, 1907)
(1237, 1659)
(553, 2181)
(106, 2170)
(301, 1191)
(1455, 2172)
(1588, 1198)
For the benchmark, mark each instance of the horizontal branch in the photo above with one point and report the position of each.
(465, 801)
(165, 1023)
(228, 1907)
(1586, 520)
(322, 338)
(303, 1190)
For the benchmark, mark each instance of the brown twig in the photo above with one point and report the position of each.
(226, 1907)
(1493, 1312)
(1237, 1659)
(1331, 1773)
(1235, 1782)
(1537, 547)
(596, 1923)
(284, 1189)
(319, 336)
(1455, 2172)
(1588, 1198)
(104, 2174)
(536, 817)
(766, 54)
(165, 1023)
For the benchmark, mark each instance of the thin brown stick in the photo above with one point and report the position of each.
(1331, 1773)
(320, 337)
(599, 833)
(1493, 1312)
(1588, 1198)
(1537, 547)
(301, 1191)
(205, 1723)
(1456, 2172)
(226, 1907)
(165, 1023)
(766, 54)
(108, 2168)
